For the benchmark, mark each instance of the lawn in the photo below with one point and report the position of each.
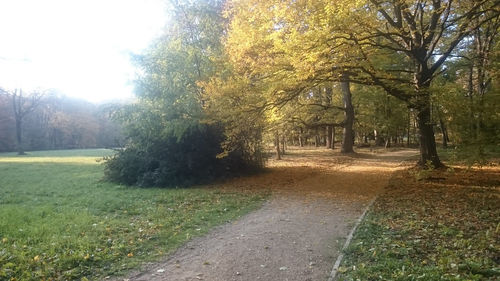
(60, 221)
(444, 226)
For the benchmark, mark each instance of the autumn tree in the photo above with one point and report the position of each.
(398, 45)
(267, 43)
(171, 138)
(424, 34)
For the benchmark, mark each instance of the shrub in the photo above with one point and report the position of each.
(171, 161)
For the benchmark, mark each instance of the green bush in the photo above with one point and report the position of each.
(170, 161)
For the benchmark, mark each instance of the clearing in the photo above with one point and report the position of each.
(317, 195)
(60, 221)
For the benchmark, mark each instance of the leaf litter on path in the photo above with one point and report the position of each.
(315, 194)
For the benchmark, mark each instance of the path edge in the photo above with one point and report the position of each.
(333, 273)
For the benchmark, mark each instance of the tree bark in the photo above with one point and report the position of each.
(277, 146)
(329, 135)
(428, 151)
(348, 134)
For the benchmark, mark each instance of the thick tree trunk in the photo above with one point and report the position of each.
(348, 134)
(428, 151)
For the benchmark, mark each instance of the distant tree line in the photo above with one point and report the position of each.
(48, 120)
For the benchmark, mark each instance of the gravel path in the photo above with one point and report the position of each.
(317, 195)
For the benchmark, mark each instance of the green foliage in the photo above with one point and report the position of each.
(172, 138)
(470, 112)
(58, 221)
(170, 161)
(376, 110)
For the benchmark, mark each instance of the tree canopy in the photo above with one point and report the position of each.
(236, 75)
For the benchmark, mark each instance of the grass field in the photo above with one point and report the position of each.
(60, 221)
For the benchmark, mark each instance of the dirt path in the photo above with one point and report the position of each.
(316, 197)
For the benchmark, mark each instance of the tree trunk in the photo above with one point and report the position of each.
(470, 94)
(301, 140)
(283, 144)
(348, 134)
(329, 135)
(408, 142)
(428, 151)
(444, 132)
(387, 143)
(277, 146)
(333, 137)
(19, 136)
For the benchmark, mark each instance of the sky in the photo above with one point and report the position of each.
(79, 47)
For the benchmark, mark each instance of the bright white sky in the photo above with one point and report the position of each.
(80, 47)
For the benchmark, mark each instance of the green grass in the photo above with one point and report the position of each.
(446, 229)
(471, 155)
(60, 221)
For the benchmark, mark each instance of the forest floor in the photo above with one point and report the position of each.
(316, 197)
(431, 225)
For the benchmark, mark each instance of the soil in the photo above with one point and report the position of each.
(316, 196)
